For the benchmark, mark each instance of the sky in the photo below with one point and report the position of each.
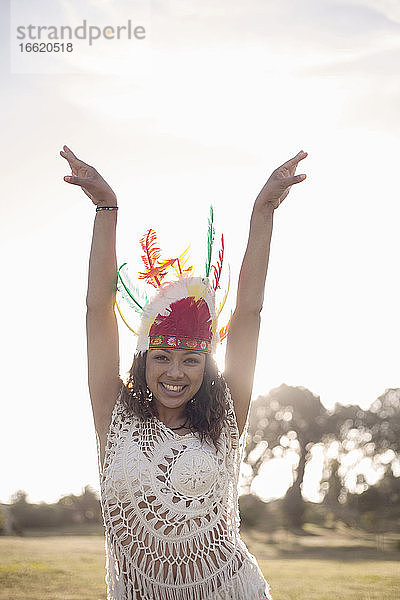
(198, 112)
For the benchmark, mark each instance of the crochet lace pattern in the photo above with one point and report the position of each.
(171, 514)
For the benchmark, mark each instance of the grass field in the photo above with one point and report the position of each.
(322, 565)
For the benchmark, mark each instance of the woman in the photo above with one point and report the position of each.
(168, 440)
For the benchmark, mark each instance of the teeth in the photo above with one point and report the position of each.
(173, 388)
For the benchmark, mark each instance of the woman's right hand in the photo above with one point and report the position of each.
(89, 180)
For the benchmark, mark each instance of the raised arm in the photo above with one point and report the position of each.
(241, 349)
(101, 324)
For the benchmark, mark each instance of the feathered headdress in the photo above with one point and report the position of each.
(182, 313)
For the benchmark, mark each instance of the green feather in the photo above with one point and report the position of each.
(210, 240)
(126, 288)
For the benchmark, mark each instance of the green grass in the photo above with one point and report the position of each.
(52, 568)
(321, 565)
(319, 579)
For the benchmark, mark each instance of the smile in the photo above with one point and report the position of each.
(173, 388)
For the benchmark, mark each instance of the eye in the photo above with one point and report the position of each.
(192, 361)
(160, 357)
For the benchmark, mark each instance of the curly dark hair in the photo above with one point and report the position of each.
(206, 415)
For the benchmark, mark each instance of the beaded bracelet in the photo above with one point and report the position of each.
(106, 208)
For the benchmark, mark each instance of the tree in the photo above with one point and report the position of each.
(389, 486)
(334, 487)
(81, 509)
(383, 422)
(21, 511)
(68, 510)
(287, 419)
(372, 434)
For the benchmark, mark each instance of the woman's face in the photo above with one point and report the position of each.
(174, 376)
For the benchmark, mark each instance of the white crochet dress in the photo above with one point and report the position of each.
(171, 515)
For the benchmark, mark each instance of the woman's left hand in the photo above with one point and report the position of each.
(278, 185)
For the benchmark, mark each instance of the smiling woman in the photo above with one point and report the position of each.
(174, 377)
(199, 407)
(169, 499)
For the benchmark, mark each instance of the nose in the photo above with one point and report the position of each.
(175, 370)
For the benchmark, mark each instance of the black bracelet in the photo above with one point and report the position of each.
(106, 208)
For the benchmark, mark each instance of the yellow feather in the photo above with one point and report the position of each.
(149, 323)
(123, 318)
(183, 259)
(214, 326)
(197, 290)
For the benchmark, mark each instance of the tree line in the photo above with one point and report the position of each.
(286, 420)
(292, 420)
(20, 515)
